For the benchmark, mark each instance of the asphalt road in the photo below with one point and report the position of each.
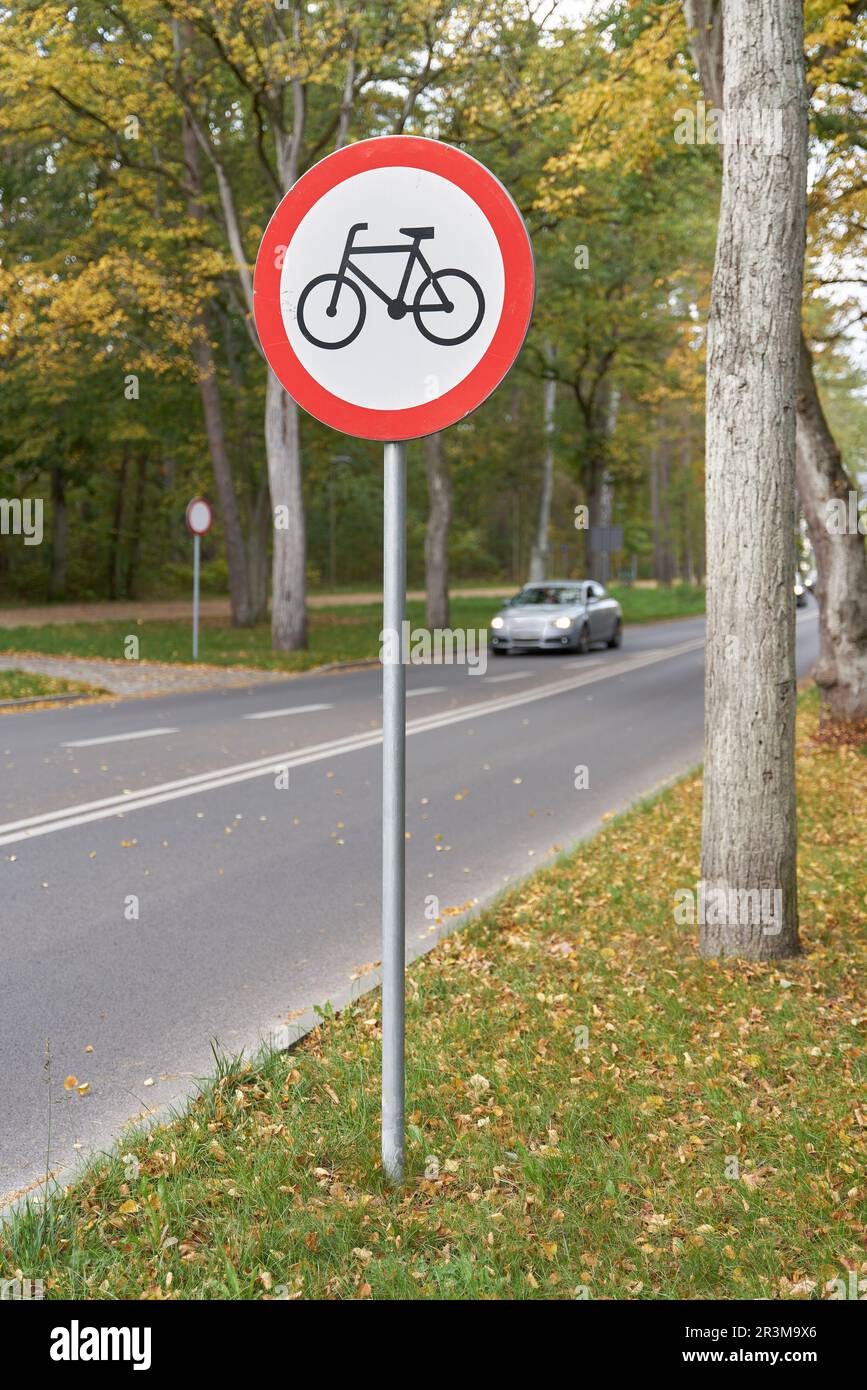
(256, 899)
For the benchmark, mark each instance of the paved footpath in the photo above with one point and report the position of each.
(150, 678)
(169, 610)
(139, 677)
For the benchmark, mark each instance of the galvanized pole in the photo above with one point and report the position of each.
(393, 810)
(197, 545)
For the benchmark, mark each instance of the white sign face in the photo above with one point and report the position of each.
(391, 362)
(393, 287)
(199, 516)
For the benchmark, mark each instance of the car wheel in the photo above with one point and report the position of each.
(583, 645)
(616, 638)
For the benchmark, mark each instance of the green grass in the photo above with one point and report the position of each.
(652, 605)
(551, 1169)
(336, 634)
(18, 685)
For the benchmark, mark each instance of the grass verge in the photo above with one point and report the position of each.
(349, 633)
(21, 685)
(537, 1167)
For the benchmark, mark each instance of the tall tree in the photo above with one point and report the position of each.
(539, 564)
(436, 540)
(841, 560)
(841, 563)
(749, 837)
(245, 610)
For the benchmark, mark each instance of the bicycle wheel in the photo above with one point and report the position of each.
(466, 301)
(347, 320)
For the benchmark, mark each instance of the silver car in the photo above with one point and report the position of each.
(557, 615)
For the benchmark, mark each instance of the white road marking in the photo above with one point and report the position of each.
(294, 709)
(72, 816)
(582, 663)
(117, 738)
(426, 690)
(509, 676)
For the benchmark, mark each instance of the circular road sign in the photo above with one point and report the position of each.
(394, 287)
(199, 516)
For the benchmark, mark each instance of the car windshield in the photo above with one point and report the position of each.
(556, 593)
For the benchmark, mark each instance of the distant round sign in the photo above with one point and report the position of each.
(199, 516)
(394, 287)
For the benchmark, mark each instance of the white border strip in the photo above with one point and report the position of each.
(118, 738)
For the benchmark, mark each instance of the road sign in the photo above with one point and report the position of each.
(200, 518)
(393, 291)
(394, 287)
(199, 521)
(605, 539)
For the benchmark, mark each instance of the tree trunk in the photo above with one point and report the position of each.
(289, 580)
(539, 557)
(130, 584)
(841, 561)
(594, 473)
(687, 564)
(257, 551)
(254, 500)
(436, 541)
(664, 563)
(116, 539)
(236, 561)
(282, 429)
(59, 534)
(749, 823)
(243, 614)
(841, 674)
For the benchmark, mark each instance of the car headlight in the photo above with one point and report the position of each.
(799, 589)
(563, 623)
(497, 623)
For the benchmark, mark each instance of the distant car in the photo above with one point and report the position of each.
(557, 615)
(800, 592)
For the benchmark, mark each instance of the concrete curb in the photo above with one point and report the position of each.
(342, 666)
(50, 699)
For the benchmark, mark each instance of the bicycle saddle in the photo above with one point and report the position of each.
(421, 233)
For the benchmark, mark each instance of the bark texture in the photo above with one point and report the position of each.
(282, 423)
(59, 534)
(841, 562)
(541, 545)
(436, 541)
(749, 821)
(243, 611)
(288, 578)
(705, 24)
(241, 603)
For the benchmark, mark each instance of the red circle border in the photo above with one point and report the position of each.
(488, 193)
(192, 502)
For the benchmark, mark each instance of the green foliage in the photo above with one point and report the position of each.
(116, 263)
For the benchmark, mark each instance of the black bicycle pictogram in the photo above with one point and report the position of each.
(350, 310)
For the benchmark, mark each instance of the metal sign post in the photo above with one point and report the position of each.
(393, 291)
(197, 552)
(393, 812)
(199, 521)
